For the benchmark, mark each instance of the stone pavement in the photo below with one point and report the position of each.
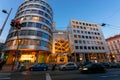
(7, 68)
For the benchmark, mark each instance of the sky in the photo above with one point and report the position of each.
(95, 11)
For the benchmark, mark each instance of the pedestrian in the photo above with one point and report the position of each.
(18, 66)
(0, 65)
(2, 62)
(53, 67)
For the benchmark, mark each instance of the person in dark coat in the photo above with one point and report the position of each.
(53, 67)
(2, 62)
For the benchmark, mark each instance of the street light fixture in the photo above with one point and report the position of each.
(8, 14)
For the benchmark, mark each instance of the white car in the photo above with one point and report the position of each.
(68, 66)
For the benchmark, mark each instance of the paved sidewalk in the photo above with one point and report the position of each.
(7, 68)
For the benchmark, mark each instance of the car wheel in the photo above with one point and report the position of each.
(45, 69)
(31, 69)
(64, 69)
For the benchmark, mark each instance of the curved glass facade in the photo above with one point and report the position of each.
(35, 35)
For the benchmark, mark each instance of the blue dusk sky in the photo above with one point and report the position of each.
(95, 11)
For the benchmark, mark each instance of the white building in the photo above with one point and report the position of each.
(87, 42)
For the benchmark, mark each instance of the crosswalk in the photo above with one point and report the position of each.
(5, 76)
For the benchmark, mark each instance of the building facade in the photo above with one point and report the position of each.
(60, 46)
(114, 48)
(87, 42)
(34, 39)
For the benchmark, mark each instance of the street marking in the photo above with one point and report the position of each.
(48, 76)
(109, 76)
(7, 78)
(103, 76)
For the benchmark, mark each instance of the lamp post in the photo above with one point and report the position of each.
(8, 14)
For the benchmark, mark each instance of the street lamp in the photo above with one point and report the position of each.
(8, 14)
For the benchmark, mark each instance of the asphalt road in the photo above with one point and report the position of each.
(111, 74)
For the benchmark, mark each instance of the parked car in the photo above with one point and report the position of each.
(68, 66)
(39, 67)
(115, 65)
(106, 64)
(93, 68)
(84, 63)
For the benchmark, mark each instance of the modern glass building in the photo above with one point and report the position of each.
(34, 40)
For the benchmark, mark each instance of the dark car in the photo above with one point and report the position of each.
(106, 64)
(39, 67)
(93, 68)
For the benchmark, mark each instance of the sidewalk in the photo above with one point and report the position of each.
(7, 68)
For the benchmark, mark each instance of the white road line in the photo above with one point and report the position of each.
(109, 76)
(48, 76)
(6, 78)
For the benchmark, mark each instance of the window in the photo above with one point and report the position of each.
(74, 31)
(39, 33)
(30, 24)
(75, 36)
(75, 41)
(25, 41)
(81, 47)
(76, 47)
(79, 36)
(38, 25)
(23, 32)
(35, 18)
(31, 32)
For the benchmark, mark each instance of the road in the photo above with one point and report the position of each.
(111, 74)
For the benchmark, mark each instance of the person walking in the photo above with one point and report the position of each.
(18, 66)
(0, 65)
(53, 67)
(2, 62)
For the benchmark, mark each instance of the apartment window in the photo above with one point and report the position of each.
(79, 36)
(83, 37)
(74, 31)
(76, 47)
(75, 36)
(85, 47)
(81, 47)
(78, 31)
(89, 47)
(80, 41)
(75, 41)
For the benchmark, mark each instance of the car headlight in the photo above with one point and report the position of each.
(85, 68)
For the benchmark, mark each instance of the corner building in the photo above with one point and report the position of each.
(34, 40)
(87, 42)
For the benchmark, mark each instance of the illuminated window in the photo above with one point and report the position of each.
(35, 18)
(25, 42)
(44, 27)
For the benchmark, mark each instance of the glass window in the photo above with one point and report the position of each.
(42, 43)
(39, 33)
(76, 47)
(35, 18)
(38, 25)
(31, 32)
(23, 32)
(75, 41)
(30, 24)
(25, 41)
